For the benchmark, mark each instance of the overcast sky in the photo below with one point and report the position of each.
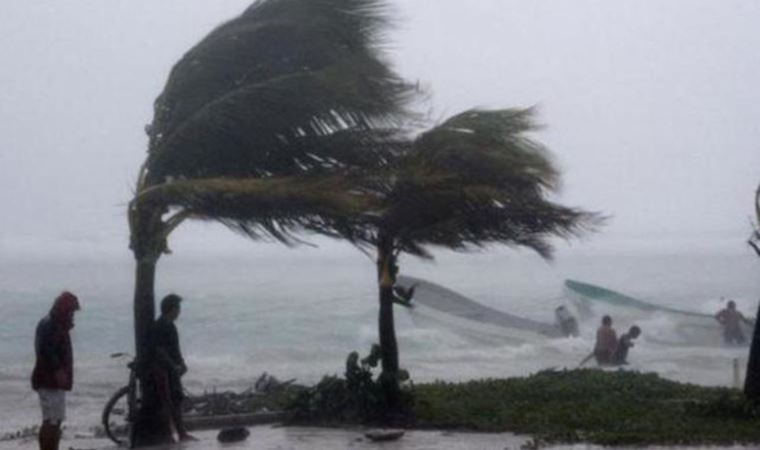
(650, 107)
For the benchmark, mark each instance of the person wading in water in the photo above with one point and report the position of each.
(731, 320)
(620, 355)
(606, 342)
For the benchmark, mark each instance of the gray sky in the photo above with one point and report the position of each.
(650, 107)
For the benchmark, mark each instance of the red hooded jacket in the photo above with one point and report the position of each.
(54, 367)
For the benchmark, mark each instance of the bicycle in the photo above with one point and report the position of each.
(120, 410)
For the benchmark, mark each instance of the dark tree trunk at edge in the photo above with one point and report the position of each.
(752, 378)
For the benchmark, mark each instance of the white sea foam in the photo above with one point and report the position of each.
(299, 317)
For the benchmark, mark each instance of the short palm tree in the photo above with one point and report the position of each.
(257, 127)
(475, 180)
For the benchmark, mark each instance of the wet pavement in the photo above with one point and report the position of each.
(298, 438)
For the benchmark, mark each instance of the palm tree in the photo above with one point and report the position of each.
(752, 379)
(257, 127)
(476, 179)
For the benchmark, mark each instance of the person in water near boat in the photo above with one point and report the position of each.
(566, 322)
(620, 355)
(606, 342)
(731, 320)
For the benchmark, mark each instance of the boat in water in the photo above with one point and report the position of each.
(435, 303)
(660, 323)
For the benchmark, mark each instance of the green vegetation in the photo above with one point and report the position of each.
(591, 405)
(358, 398)
(609, 408)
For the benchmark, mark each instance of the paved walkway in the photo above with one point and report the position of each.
(295, 438)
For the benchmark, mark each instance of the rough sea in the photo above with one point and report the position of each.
(297, 313)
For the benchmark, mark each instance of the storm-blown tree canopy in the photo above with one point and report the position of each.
(255, 128)
(288, 87)
(478, 179)
(287, 118)
(474, 180)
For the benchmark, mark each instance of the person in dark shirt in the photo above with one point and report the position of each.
(169, 365)
(53, 372)
(620, 356)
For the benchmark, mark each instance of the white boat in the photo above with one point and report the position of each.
(433, 303)
(666, 325)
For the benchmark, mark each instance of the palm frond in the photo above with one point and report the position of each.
(277, 207)
(255, 97)
(475, 180)
(491, 145)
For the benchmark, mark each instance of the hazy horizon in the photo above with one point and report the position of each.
(650, 109)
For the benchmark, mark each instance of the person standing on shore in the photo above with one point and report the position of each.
(169, 365)
(53, 372)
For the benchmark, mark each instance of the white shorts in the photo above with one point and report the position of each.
(53, 404)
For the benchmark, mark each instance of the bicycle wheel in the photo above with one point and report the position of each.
(115, 417)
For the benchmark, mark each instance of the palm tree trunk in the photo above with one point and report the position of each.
(144, 305)
(147, 243)
(150, 425)
(386, 327)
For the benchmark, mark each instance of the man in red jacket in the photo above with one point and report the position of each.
(53, 373)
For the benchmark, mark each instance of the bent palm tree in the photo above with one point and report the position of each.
(475, 180)
(254, 128)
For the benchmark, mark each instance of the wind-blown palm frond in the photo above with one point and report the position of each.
(279, 204)
(477, 179)
(259, 94)
(492, 145)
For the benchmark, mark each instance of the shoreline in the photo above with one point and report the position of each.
(549, 408)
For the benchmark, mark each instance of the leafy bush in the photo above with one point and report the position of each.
(611, 408)
(359, 398)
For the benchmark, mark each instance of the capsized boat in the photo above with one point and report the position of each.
(442, 305)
